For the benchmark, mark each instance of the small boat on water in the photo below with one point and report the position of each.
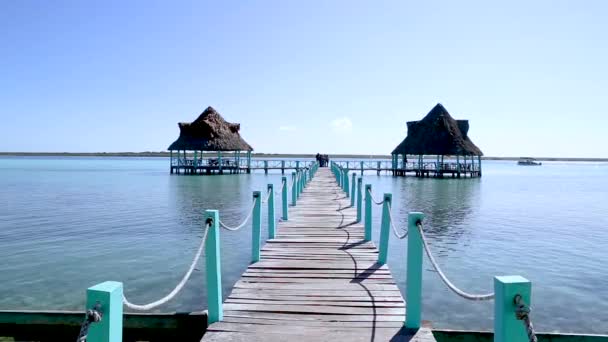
(528, 162)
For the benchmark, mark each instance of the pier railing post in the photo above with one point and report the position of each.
(213, 267)
(368, 212)
(346, 185)
(285, 213)
(256, 223)
(506, 325)
(294, 186)
(385, 229)
(107, 299)
(353, 188)
(413, 294)
(266, 166)
(271, 222)
(359, 198)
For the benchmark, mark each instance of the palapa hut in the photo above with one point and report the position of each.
(209, 144)
(438, 135)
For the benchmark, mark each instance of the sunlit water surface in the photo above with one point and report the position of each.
(69, 223)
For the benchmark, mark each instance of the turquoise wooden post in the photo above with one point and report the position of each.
(282, 167)
(368, 212)
(256, 223)
(107, 296)
(213, 267)
(385, 229)
(284, 199)
(299, 183)
(361, 164)
(266, 166)
(359, 198)
(346, 185)
(507, 328)
(297, 164)
(353, 188)
(293, 189)
(271, 222)
(413, 294)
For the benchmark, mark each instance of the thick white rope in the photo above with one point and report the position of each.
(371, 195)
(445, 280)
(177, 288)
(244, 221)
(390, 215)
(265, 200)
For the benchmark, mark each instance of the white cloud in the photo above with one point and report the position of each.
(342, 124)
(287, 128)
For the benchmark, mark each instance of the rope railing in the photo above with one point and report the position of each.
(446, 281)
(371, 195)
(523, 314)
(395, 231)
(179, 286)
(265, 200)
(93, 315)
(223, 225)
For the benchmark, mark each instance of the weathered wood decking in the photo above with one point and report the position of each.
(317, 281)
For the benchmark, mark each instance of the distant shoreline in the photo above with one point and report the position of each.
(259, 155)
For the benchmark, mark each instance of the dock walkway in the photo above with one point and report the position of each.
(318, 280)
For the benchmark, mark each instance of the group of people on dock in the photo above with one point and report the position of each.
(323, 159)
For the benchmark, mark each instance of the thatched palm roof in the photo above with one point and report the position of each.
(210, 132)
(438, 134)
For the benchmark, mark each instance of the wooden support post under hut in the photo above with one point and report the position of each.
(210, 145)
(437, 146)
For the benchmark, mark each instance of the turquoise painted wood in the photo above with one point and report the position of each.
(368, 212)
(294, 195)
(361, 165)
(297, 164)
(385, 229)
(346, 185)
(109, 297)
(353, 188)
(285, 213)
(359, 198)
(213, 267)
(256, 230)
(413, 293)
(507, 328)
(271, 221)
(266, 166)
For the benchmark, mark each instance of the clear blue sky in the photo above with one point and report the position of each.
(307, 76)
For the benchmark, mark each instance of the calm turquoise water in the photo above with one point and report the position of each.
(68, 223)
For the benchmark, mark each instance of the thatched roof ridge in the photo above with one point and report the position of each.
(438, 133)
(210, 132)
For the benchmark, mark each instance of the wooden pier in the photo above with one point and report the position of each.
(318, 280)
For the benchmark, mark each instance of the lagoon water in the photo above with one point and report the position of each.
(69, 223)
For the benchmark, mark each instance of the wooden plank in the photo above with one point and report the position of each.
(318, 280)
